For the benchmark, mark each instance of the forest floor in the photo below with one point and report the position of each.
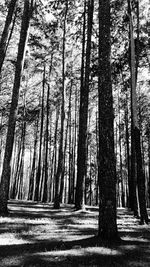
(36, 235)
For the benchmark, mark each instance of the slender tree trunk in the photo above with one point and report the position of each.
(20, 189)
(33, 168)
(133, 183)
(65, 146)
(107, 168)
(13, 171)
(136, 130)
(120, 155)
(60, 166)
(23, 135)
(16, 170)
(5, 179)
(38, 174)
(63, 170)
(97, 158)
(45, 191)
(74, 147)
(148, 140)
(129, 198)
(83, 115)
(5, 34)
(45, 195)
(70, 171)
(54, 155)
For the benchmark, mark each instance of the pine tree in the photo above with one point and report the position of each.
(107, 168)
(5, 178)
(83, 115)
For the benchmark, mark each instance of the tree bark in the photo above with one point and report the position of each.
(5, 178)
(60, 166)
(107, 168)
(83, 115)
(33, 168)
(45, 193)
(135, 128)
(38, 174)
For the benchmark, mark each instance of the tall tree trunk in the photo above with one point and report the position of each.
(5, 34)
(54, 155)
(65, 146)
(16, 170)
(107, 168)
(23, 135)
(38, 174)
(121, 193)
(83, 115)
(133, 182)
(15, 160)
(33, 168)
(136, 129)
(129, 196)
(148, 141)
(5, 178)
(45, 193)
(97, 159)
(60, 166)
(21, 167)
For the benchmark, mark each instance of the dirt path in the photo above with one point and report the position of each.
(37, 235)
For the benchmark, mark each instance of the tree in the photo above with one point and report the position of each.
(5, 34)
(107, 169)
(38, 174)
(135, 127)
(5, 178)
(83, 113)
(60, 167)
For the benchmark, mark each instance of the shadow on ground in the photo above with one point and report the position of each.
(65, 237)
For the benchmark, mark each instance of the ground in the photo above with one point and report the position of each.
(35, 235)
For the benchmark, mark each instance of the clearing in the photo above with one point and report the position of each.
(35, 234)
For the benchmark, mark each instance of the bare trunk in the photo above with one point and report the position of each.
(60, 166)
(5, 179)
(107, 168)
(135, 128)
(83, 115)
(38, 174)
(33, 168)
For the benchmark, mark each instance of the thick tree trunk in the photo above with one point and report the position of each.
(83, 115)
(5, 179)
(107, 168)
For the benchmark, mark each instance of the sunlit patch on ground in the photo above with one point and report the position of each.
(37, 235)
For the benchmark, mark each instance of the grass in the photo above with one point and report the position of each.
(38, 235)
